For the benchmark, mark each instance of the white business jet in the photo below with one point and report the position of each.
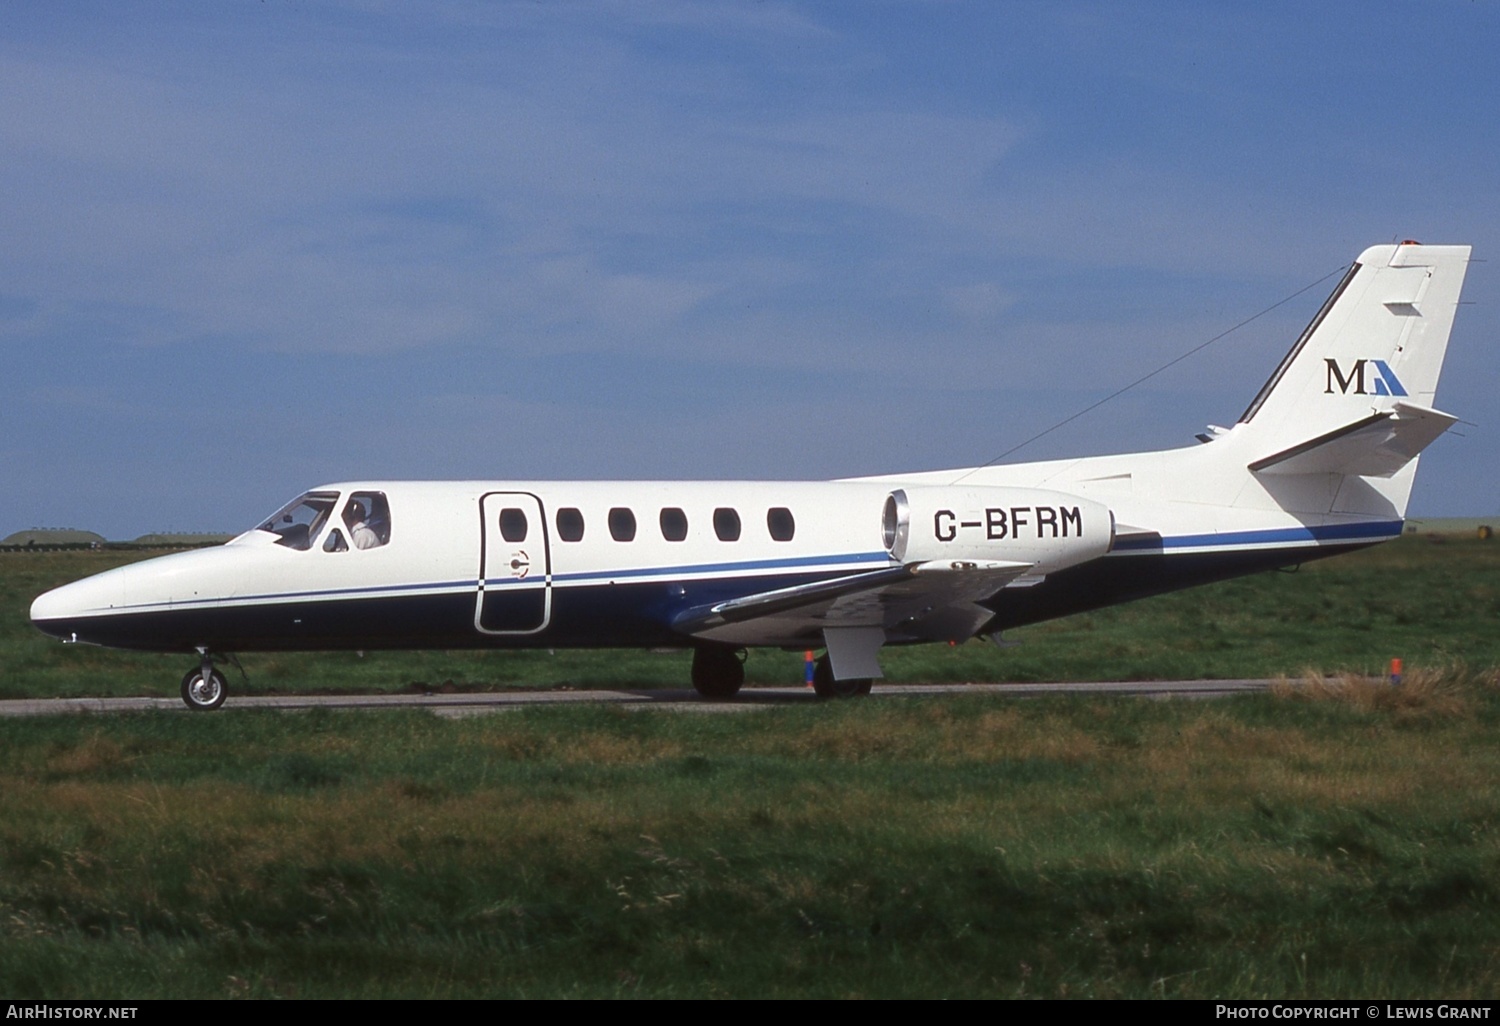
(1321, 463)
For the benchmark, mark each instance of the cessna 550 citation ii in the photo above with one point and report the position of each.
(1321, 463)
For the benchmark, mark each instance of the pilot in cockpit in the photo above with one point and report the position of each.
(364, 522)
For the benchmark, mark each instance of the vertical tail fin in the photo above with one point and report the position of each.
(1377, 343)
(1339, 426)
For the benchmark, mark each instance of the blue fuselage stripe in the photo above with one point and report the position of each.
(1277, 536)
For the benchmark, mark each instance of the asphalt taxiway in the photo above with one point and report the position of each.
(675, 699)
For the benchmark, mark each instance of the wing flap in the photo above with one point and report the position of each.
(935, 601)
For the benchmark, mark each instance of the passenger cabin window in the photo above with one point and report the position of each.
(368, 517)
(673, 524)
(621, 524)
(297, 523)
(513, 524)
(780, 523)
(569, 524)
(726, 524)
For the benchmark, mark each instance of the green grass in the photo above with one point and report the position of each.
(1331, 841)
(1426, 602)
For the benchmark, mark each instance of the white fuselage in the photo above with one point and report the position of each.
(449, 576)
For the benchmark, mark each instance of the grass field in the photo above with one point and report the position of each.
(1343, 842)
(1330, 839)
(1431, 603)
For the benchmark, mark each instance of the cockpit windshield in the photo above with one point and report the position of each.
(298, 522)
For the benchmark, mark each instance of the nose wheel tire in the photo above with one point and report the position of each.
(202, 694)
(826, 687)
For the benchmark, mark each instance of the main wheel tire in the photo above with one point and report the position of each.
(825, 686)
(204, 695)
(718, 671)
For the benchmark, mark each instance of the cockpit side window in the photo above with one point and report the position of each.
(368, 517)
(298, 523)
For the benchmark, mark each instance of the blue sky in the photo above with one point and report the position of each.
(252, 247)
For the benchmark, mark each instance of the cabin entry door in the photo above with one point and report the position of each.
(515, 565)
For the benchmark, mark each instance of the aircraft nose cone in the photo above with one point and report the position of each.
(50, 608)
(54, 604)
(59, 612)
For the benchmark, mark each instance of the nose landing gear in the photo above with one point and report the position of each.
(204, 687)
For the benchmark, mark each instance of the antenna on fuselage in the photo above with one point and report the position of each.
(1147, 377)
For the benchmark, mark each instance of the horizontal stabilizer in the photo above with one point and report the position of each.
(1376, 446)
(933, 601)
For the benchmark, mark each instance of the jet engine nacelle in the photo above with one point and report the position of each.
(1050, 530)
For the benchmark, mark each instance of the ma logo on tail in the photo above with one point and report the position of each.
(1383, 379)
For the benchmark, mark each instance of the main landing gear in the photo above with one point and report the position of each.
(204, 687)
(826, 687)
(719, 673)
(718, 670)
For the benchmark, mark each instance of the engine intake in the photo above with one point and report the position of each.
(1050, 530)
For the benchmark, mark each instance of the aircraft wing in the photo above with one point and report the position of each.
(1377, 446)
(932, 601)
